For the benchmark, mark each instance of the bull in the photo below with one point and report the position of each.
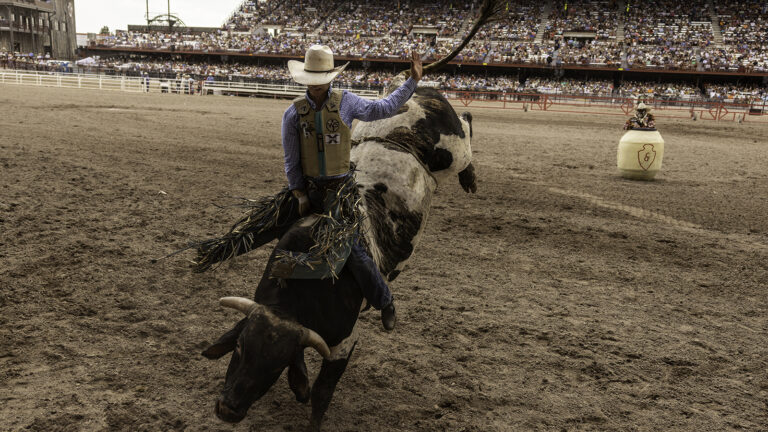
(400, 162)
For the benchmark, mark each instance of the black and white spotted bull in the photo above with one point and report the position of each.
(400, 162)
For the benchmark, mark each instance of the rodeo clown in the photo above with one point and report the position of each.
(643, 118)
(316, 142)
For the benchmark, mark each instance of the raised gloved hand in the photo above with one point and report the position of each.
(416, 68)
(301, 196)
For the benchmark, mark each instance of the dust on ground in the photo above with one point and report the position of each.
(559, 297)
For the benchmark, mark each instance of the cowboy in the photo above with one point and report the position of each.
(643, 118)
(316, 142)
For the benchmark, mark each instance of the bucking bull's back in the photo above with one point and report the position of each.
(399, 163)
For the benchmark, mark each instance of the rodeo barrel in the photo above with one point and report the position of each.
(640, 154)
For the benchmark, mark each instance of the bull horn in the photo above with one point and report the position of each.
(311, 339)
(242, 304)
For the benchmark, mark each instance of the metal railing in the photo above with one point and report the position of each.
(78, 81)
(718, 110)
(703, 109)
(239, 88)
(155, 85)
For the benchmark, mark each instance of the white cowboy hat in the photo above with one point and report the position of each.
(317, 68)
(642, 106)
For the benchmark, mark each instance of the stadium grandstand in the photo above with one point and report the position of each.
(701, 48)
(657, 35)
(45, 28)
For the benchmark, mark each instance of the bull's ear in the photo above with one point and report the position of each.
(226, 343)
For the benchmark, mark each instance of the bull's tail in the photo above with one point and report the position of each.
(490, 11)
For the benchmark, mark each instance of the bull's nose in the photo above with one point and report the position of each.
(226, 413)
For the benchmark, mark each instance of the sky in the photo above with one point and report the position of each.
(92, 15)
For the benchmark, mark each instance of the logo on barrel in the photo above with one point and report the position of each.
(646, 156)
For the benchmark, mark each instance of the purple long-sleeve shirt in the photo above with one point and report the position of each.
(351, 107)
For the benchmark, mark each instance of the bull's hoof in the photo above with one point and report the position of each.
(388, 318)
(297, 379)
(468, 179)
(302, 397)
(315, 425)
(223, 412)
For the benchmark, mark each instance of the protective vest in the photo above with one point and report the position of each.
(325, 139)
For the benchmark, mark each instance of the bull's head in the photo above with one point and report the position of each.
(263, 346)
(448, 152)
(429, 128)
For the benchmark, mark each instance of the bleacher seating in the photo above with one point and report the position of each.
(583, 16)
(658, 34)
(377, 80)
(669, 22)
(519, 22)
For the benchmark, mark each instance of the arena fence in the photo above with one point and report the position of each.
(156, 85)
(617, 106)
(276, 90)
(52, 79)
(581, 104)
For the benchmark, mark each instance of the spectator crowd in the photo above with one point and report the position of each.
(378, 80)
(655, 34)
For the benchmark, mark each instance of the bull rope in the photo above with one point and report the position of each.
(407, 149)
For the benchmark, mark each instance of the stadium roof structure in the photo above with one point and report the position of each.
(168, 18)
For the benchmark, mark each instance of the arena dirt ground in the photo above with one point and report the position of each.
(559, 297)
